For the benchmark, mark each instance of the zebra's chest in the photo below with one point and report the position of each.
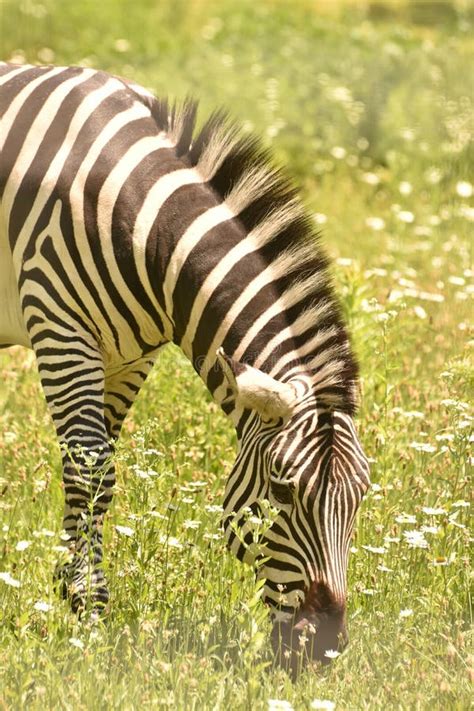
(12, 326)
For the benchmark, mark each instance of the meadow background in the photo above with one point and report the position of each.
(369, 105)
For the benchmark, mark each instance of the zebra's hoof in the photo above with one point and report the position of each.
(89, 605)
(89, 601)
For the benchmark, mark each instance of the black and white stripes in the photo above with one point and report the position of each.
(123, 229)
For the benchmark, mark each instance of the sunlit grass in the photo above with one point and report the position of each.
(373, 120)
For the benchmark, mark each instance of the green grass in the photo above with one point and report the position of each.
(368, 105)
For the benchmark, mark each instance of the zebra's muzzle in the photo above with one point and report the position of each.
(317, 630)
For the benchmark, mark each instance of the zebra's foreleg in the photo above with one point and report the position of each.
(89, 478)
(74, 389)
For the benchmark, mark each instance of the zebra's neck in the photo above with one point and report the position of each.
(228, 296)
(234, 262)
(232, 287)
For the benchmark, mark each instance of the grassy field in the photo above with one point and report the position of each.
(369, 106)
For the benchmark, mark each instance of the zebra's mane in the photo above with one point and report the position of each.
(241, 171)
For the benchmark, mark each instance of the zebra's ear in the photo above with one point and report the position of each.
(254, 389)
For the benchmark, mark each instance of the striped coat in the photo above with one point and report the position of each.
(122, 229)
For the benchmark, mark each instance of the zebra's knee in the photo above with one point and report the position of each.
(89, 476)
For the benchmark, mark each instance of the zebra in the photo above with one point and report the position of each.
(122, 229)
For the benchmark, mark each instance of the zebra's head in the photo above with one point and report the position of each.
(290, 503)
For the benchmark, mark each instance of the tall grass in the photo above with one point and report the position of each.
(368, 106)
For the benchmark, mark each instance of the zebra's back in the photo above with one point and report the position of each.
(79, 150)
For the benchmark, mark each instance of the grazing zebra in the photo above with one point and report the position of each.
(121, 231)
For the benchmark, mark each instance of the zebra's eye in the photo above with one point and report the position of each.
(282, 491)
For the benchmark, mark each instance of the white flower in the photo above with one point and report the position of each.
(373, 549)
(453, 520)
(419, 311)
(375, 223)
(446, 436)
(405, 613)
(170, 541)
(191, 524)
(124, 530)
(331, 653)
(122, 45)
(440, 561)
(213, 508)
(406, 216)
(370, 178)
(144, 473)
(279, 705)
(464, 189)
(60, 549)
(456, 280)
(433, 175)
(405, 518)
(427, 296)
(46, 55)
(42, 606)
(405, 187)
(467, 212)
(422, 447)
(322, 705)
(376, 271)
(415, 539)
(8, 580)
(156, 514)
(44, 532)
(341, 93)
(22, 545)
(430, 529)
(413, 414)
(76, 642)
(433, 512)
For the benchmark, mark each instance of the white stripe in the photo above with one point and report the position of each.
(265, 277)
(11, 113)
(279, 304)
(37, 260)
(192, 236)
(157, 196)
(13, 73)
(83, 112)
(108, 195)
(252, 242)
(37, 131)
(77, 207)
(292, 331)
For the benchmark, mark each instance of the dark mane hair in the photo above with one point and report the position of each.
(241, 170)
